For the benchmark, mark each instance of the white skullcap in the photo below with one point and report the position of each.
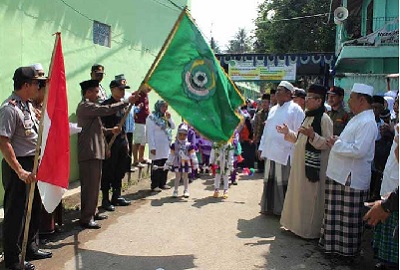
(287, 85)
(37, 66)
(363, 89)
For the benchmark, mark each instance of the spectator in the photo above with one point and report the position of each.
(259, 122)
(159, 127)
(299, 96)
(338, 113)
(97, 74)
(139, 134)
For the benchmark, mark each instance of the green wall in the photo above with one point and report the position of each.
(139, 28)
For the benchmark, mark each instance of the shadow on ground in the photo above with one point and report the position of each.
(285, 250)
(89, 259)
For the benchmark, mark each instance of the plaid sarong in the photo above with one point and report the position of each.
(386, 246)
(342, 226)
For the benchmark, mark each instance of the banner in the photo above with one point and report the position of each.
(246, 71)
(187, 75)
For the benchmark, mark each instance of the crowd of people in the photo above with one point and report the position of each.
(322, 165)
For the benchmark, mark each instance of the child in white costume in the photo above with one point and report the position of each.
(222, 157)
(182, 158)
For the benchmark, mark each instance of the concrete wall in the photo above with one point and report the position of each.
(139, 28)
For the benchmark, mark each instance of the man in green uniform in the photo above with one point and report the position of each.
(338, 114)
(259, 120)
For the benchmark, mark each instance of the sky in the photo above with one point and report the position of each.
(223, 18)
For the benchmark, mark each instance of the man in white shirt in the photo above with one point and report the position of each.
(349, 176)
(276, 150)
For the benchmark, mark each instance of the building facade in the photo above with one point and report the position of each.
(125, 36)
(367, 45)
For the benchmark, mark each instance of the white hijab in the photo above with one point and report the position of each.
(390, 103)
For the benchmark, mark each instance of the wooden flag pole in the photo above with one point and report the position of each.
(36, 163)
(121, 123)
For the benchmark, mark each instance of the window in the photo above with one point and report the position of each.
(101, 34)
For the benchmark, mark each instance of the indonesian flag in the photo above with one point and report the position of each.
(53, 170)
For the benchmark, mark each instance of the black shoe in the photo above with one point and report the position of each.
(27, 266)
(38, 255)
(91, 225)
(121, 201)
(106, 205)
(100, 217)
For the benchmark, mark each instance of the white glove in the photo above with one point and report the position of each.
(166, 167)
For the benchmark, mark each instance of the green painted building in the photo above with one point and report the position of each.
(367, 44)
(123, 35)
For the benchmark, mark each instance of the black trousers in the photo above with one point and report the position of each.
(260, 163)
(114, 167)
(15, 203)
(130, 141)
(249, 154)
(159, 176)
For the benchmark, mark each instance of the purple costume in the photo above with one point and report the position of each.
(182, 154)
(205, 147)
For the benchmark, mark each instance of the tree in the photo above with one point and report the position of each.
(277, 30)
(214, 45)
(241, 42)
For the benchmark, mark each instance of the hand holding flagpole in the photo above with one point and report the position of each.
(121, 123)
(35, 165)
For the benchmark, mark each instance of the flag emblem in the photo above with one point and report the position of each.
(199, 79)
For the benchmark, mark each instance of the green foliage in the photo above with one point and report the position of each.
(241, 43)
(275, 34)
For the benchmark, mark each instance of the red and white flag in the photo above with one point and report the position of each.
(53, 170)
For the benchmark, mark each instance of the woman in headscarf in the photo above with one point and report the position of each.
(303, 208)
(159, 125)
(389, 102)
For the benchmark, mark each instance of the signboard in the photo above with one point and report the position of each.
(387, 35)
(246, 71)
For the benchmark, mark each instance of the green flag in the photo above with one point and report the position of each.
(187, 75)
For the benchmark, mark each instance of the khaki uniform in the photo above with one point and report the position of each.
(91, 152)
(340, 118)
(259, 120)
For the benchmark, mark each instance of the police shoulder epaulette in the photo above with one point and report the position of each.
(12, 102)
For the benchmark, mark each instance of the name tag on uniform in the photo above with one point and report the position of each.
(28, 124)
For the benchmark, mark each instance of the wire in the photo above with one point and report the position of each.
(297, 18)
(77, 11)
(116, 35)
(166, 5)
(330, 10)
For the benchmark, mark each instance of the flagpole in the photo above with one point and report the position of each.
(109, 145)
(36, 162)
(165, 45)
(151, 70)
